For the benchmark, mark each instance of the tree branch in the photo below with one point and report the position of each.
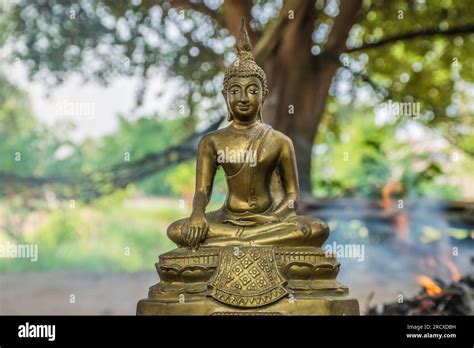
(92, 185)
(466, 29)
(335, 57)
(232, 11)
(271, 37)
(349, 12)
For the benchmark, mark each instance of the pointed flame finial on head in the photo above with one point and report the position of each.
(244, 44)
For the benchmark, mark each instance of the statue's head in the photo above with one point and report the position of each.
(245, 83)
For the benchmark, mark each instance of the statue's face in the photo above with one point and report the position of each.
(244, 97)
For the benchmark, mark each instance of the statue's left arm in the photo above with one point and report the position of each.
(289, 177)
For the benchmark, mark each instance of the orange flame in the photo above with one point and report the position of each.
(430, 286)
(390, 187)
(401, 223)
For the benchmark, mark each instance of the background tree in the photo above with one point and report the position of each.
(417, 51)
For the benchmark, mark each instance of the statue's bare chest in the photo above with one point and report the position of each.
(237, 152)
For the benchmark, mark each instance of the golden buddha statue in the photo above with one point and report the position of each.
(255, 250)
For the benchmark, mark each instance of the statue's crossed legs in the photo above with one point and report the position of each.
(296, 230)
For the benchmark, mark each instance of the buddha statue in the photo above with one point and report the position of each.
(255, 250)
(260, 170)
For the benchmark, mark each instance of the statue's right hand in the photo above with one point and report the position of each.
(195, 230)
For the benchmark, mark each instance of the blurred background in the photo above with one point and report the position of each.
(102, 104)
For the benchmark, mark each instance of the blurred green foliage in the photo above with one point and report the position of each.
(110, 235)
(57, 38)
(354, 156)
(26, 146)
(359, 159)
(133, 140)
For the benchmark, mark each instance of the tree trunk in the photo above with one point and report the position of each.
(299, 81)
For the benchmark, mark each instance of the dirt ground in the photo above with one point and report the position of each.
(110, 294)
(50, 293)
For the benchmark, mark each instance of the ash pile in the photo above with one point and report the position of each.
(435, 298)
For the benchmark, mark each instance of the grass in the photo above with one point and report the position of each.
(114, 234)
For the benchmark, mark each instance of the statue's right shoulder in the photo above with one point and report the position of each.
(214, 133)
(211, 138)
